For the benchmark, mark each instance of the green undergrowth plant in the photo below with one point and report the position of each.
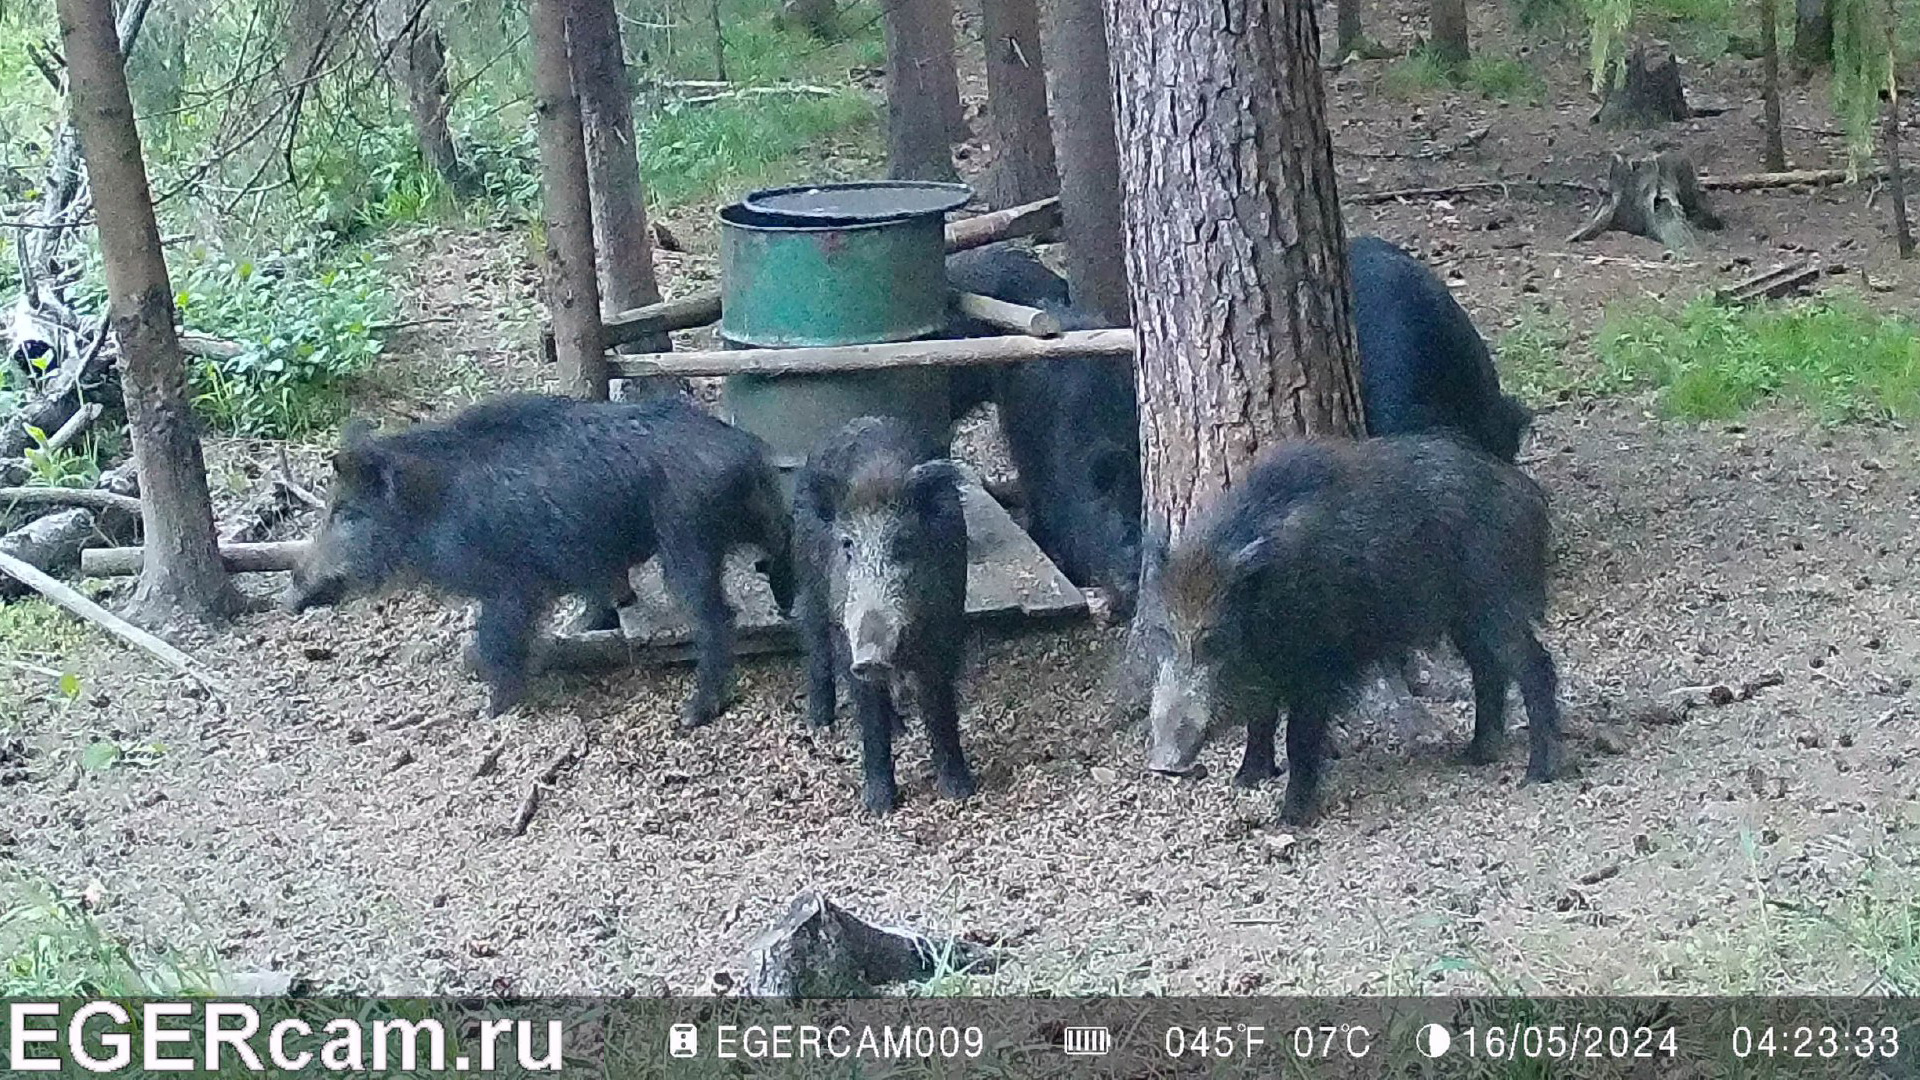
(306, 325)
(1833, 356)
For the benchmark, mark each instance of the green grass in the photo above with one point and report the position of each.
(1534, 361)
(1832, 356)
(692, 153)
(38, 646)
(1497, 77)
(51, 946)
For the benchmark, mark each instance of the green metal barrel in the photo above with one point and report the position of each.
(834, 265)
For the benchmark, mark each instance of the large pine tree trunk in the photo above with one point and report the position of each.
(417, 59)
(573, 293)
(1023, 164)
(1089, 158)
(620, 229)
(923, 89)
(1234, 241)
(1812, 36)
(1448, 24)
(182, 575)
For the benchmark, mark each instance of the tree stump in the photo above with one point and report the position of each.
(819, 949)
(1658, 197)
(1649, 96)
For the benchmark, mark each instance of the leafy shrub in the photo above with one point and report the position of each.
(305, 330)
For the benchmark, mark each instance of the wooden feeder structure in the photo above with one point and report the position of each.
(829, 295)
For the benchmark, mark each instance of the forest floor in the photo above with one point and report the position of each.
(342, 813)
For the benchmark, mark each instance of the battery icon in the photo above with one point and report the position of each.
(1086, 1041)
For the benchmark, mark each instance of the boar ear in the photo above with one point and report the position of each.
(813, 495)
(357, 465)
(410, 483)
(931, 483)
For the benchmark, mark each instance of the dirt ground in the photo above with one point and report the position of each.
(342, 814)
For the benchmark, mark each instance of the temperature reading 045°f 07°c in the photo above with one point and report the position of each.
(1224, 1041)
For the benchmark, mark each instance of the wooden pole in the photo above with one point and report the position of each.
(1016, 318)
(72, 601)
(1076, 344)
(703, 309)
(573, 289)
(240, 558)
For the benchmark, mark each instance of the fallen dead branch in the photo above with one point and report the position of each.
(267, 558)
(70, 599)
(531, 803)
(75, 425)
(1002, 315)
(1504, 187)
(50, 543)
(937, 352)
(91, 498)
(1790, 178)
(819, 949)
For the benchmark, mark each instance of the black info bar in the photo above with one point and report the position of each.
(976, 1036)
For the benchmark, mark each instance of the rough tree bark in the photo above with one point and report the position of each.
(185, 577)
(923, 89)
(1812, 36)
(1775, 151)
(1648, 94)
(417, 60)
(1447, 21)
(1352, 38)
(1089, 159)
(620, 229)
(1890, 137)
(1234, 241)
(573, 293)
(1023, 163)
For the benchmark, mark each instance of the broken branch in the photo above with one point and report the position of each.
(239, 558)
(91, 498)
(70, 599)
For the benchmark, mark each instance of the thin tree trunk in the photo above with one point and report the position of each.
(417, 60)
(1089, 159)
(719, 41)
(1812, 36)
(1776, 150)
(620, 230)
(1235, 243)
(183, 576)
(1017, 122)
(923, 89)
(573, 293)
(1896, 175)
(1448, 24)
(1352, 36)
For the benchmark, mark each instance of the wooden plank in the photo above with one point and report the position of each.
(938, 352)
(1008, 577)
(1770, 285)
